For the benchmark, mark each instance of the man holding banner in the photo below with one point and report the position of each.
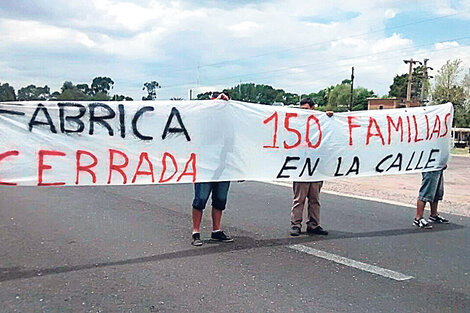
(304, 190)
(219, 192)
(432, 190)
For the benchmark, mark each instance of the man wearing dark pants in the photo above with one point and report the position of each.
(304, 190)
(219, 192)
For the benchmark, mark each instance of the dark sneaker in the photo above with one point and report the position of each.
(317, 231)
(220, 236)
(196, 240)
(422, 223)
(295, 231)
(438, 219)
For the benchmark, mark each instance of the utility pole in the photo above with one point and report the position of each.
(425, 79)
(410, 76)
(352, 90)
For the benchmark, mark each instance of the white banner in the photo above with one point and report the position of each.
(157, 142)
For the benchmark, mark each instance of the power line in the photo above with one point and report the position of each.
(283, 69)
(313, 44)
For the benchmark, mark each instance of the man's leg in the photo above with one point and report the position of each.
(216, 218)
(201, 194)
(420, 209)
(314, 204)
(439, 195)
(300, 190)
(219, 201)
(313, 224)
(434, 208)
(197, 218)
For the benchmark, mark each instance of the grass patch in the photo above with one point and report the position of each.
(459, 151)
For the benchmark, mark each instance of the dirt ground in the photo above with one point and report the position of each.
(404, 188)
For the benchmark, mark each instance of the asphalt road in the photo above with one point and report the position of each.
(127, 249)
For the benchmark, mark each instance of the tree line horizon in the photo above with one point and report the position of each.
(447, 88)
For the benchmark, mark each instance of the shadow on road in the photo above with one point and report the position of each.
(241, 243)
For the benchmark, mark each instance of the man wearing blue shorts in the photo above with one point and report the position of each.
(219, 192)
(432, 190)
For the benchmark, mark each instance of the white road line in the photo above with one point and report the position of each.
(352, 263)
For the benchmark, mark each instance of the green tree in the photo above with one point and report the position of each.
(85, 89)
(400, 84)
(338, 97)
(204, 96)
(72, 94)
(32, 92)
(449, 89)
(101, 85)
(121, 98)
(361, 95)
(320, 97)
(250, 92)
(67, 85)
(151, 90)
(398, 88)
(7, 92)
(54, 95)
(100, 96)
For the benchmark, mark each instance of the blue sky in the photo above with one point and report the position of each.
(299, 46)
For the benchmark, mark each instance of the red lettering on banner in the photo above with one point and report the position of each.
(372, 121)
(416, 130)
(42, 167)
(85, 168)
(4, 156)
(445, 124)
(409, 128)
(427, 126)
(144, 155)
(276, 121)
(307, 136)
(192, 162)
(117, 167)
(165, 155)
(351, 126)
(292, 130)
(398, 126)
(437, 127)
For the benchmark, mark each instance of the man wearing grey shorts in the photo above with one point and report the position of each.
(432, 190)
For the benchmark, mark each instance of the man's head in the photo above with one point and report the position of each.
(307, 103)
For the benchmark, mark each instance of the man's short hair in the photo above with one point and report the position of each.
(307, 101)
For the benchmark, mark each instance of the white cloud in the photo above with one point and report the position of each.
(244, 29)
(390, 13)
(32, 32)
(392, 43)
(444, 45)
(289, 44)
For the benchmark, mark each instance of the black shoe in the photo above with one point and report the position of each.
(196, 240)
(438, 219)
(317, 231)
(421, 223)
(220, 236)
(295, 231)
